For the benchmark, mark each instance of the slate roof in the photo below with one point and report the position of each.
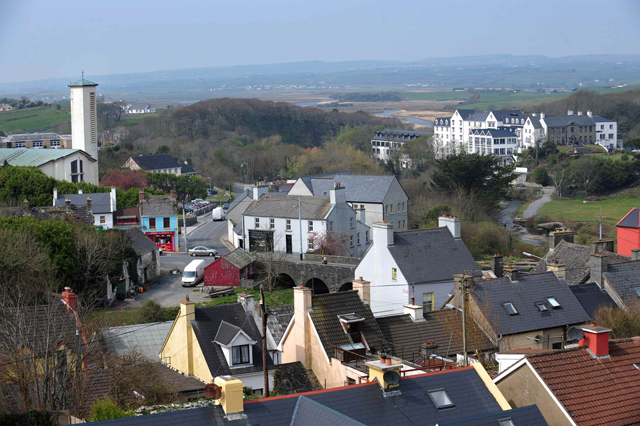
(239, 258)
(82, 82)
(403, 335)
(158, 205)
(535, 121)
(140, 242)
(284, 206)
(100, 202)
(308, 412)
(363, 403)
(239, 197)
(206, 324)
(156, 162)
(324, 314)
(523, 416)
(465, 113)
(226, 333)
(624, 278)
(575, 258)
(507, 113)
(397, 135)
(139, 105)
(568, 120)
(478, 116)
(360, 188)
(429, 255)
(600, 119)
(595, 391)
(26, 157)
(278, 319)
(592, 297)
(631, 219)
(524, 294)
(146, 339)
(187, 169)
(178, 381)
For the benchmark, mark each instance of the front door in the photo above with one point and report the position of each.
(289, 245)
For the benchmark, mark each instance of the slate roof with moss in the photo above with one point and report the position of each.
(284, 206)
(158, 205)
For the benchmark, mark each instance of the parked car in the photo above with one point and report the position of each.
(193, 273)
(225, 206)
(202, 251)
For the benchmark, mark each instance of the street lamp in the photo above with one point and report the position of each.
(537, 257)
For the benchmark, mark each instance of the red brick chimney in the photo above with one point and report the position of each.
(173, 194)
(70, 298)
(597, 339)
(141, 194)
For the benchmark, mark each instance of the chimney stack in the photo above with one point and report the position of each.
(259, 191)
(80, 191)
(70, 298)
(579, 112)
(511, 273)
(542, 116)
(360, 215)
(232, 399)
(302, 302)
(429, 348)
(89, 205)
(597, 340)
(598, 265)
(112, 199)
(601, 246)
(67, 205)
(559, 235)
(415, 311)
(337, 194)
(590, 114)
(457, 287)
(569, 112)
(141, 195)
(173, 194)
(382, 234)
(25, 203)
(364, 290)
(248, 302)
(188, 314)
(452, 223)
(635, 254)
(497, 265)
(557, 268)
(55, 196)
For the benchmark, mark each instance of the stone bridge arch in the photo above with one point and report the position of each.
(334, 276)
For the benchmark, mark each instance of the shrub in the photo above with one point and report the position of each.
(107, 409)
(29, 418)
(150, 312)
(171, 313)
(623, 323)
(541, 176)
(485, 238)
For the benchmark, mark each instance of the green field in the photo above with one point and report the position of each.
(575, 210)
(29, 119)
(436, 96)
(134, 120)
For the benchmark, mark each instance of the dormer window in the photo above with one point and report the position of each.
(553, 302)
(236, 345)
(511, 310)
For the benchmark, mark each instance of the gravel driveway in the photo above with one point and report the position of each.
(535, 207)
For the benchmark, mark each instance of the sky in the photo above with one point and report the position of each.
(58, 38)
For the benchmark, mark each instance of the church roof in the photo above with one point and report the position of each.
(82, 82)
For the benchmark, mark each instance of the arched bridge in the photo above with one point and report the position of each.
(322, 278)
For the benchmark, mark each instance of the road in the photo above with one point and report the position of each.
(168, 290)
(535, 207)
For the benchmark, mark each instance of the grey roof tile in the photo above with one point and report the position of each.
(140, 242)
(624, 278)
(524, 294)
(311, 413)
(146, 339)
(226, 333)
(429, 255)
(100, 202)
(631, 220)
(284, 206)
(156, 162)
(360, 188)
(158, 205)
(278, 319)
(239, 258)
(523, 416)
(592, 298)
(568, 120)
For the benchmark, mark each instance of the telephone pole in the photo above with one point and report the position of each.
(300, 223)
(265, 355)
(463, 286)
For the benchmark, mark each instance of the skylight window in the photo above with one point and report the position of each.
(511, 310)
(542, 307)
(553, 302)
(505, 422)
(440, 399)
(637, 289)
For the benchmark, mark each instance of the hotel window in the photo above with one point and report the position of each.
(310, 225)
(394, 274)
(166, 222)
(427, 302)
(288, 224)
(257, 222)
(272, 223)
(152, 223)
(240, 355)
(37, 144)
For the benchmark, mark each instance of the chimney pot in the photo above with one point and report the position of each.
(186, 299)
(360, 278)
(70, 298)
(141, 194)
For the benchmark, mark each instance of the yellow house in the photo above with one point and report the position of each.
(211, 341)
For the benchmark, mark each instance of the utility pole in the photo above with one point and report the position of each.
(463, 286)
(184, 222)
(600, 220)
(300, 223)
(265, 368)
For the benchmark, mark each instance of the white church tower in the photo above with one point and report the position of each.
(84, 117)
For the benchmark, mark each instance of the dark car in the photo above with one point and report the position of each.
(225, 206)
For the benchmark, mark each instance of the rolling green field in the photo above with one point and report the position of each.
(134, 120)
(575, 210)
(33, 118)
(436, 96)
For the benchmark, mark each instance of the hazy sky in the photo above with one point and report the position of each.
(58, 38)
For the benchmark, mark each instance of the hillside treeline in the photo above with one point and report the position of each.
(623, 107)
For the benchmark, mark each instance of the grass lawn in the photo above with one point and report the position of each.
(613, 209)
(29, 119)
(134, 120)
(275, 298)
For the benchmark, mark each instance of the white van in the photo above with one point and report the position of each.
(217, 214)
(193, 273)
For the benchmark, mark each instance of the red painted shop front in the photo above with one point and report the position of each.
(164, 240)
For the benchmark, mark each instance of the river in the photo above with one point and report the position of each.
(506, 218)
(412, 120)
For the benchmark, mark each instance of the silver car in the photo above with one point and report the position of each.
(202, 251)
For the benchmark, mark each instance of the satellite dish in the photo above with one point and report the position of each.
(391, 378)
(213, 391)
(575, 333)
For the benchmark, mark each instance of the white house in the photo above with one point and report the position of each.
(235, 233)
(139, 108)
(606, 132)
(72, 165)
(380, 198)
(415, 264)
(532, 131)
(103, 205)
(501, 143)
(271, 223)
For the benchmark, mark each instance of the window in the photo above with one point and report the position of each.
(399, 205)
(556, 345)
(310, 226)
(505, 422)
(54, 144)
(330, 226)
(542, 307)
(511, 310)
(358, 240)
(37, 144)
(240, 355)
(427, 302)
(637, 289)
(152, 223)
(366, 240)
(351, 240)
(351, 222)
(288, 224)
(394, 274)
(272, 223)
(257, 222)
(611, 126)
(440, 398)
(404, 207)
(166, 222)
(553, 302)
(103, 219)
(20, 145)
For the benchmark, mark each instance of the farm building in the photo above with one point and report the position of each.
(229, 269)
